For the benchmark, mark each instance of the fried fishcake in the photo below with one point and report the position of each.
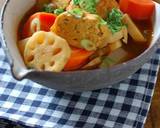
(88, 27)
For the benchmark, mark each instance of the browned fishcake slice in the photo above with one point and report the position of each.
(88, 27)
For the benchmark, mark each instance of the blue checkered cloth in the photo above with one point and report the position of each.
(124, 105)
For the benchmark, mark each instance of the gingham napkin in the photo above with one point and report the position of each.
(124, 105)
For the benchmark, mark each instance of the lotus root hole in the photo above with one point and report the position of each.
(30, 58)
(56, 51)
(42, 67)
(39, 42)
(52, 63)
(32, 47)
(50, 42)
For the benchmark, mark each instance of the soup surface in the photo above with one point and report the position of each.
(61, 35)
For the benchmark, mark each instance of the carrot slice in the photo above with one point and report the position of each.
(38, 21)
(79, 57)
(138, 9)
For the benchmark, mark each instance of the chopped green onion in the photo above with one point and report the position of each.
(58, 11)
(88, 45)
(103, 22)
(77, 12)
(107, 62)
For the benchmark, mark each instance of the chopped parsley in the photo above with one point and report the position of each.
(77, 12)
(114, 20)
(87, 5)
(48, 8)
(76, 2)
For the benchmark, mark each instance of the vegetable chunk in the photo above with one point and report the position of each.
(138, 9)
(133, 30)
(46, 51)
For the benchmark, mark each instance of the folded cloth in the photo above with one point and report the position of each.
(123, 105)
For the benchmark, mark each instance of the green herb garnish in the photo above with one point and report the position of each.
(87, 5)
(77, 12)
(103, 22)
(58, 11)
(76, 2)
(48, 8)
(114, 20)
